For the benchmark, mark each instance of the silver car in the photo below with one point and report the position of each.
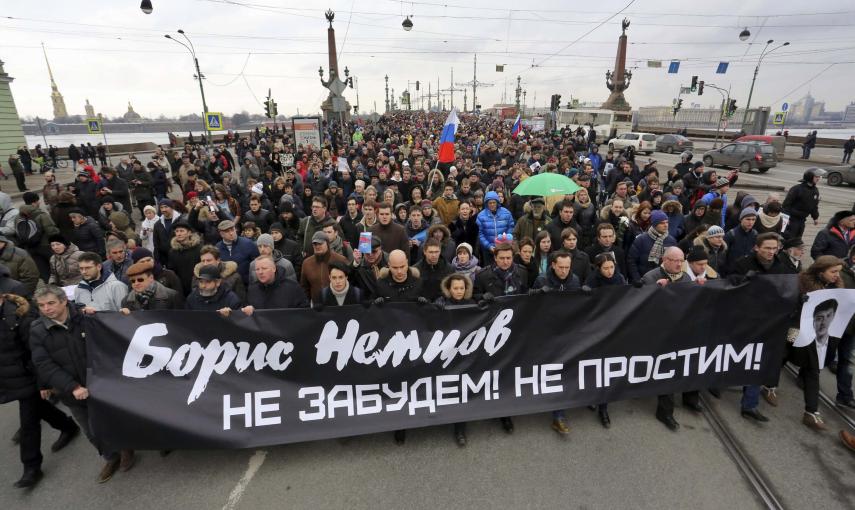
(841, 174)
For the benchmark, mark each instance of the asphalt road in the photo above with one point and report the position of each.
(635, 464)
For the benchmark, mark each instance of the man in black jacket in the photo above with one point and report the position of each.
(836, 238)
(115, 187)
(18, 382)
(399, 282)
(503, 277)
(802, 200)
(58, 343)
(433, 269)
(272, 290)
(210, 294)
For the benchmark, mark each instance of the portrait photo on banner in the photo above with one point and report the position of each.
(824, 318)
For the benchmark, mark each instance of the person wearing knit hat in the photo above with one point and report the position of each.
(740, 239)
(267, 247)
(715, 231)
(697, 265)
(648, 247)
(657, 217)
(63, 261)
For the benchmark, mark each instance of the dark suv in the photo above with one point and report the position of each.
(744, 156)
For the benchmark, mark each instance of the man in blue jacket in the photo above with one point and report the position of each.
(493, 221)
(235, 248)
(648, 247)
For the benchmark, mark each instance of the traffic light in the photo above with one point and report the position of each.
(731, 108)
(701, 88)
(274, 110)
(267, 108)
(417, 84)
(694, 83)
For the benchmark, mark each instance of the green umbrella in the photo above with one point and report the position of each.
(546, 184)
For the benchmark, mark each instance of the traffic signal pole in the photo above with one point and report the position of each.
(721, 113)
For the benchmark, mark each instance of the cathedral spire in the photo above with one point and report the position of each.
(59, 110)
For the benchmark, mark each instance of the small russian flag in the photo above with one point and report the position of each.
(446, 139)
(515, 131)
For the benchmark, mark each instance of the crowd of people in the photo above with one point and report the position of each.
(368, 218)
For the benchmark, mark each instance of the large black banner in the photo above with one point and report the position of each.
(181, 379)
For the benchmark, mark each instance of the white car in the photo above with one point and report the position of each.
(641, 142)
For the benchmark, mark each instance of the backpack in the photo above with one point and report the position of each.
(28, 232)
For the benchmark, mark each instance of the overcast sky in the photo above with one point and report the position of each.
(110, 52)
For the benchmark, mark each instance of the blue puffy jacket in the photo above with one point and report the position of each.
(491, 225)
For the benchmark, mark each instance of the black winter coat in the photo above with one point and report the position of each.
(281, 293)
(17, 373)
(223, 298)
(353, 296)
(487, 281)
(432, 276)
(183, 259)
(465, 232)
(830, 240)
(409, 290)
(89, 237)
(549, 281)
(802, 201)
(59, 354)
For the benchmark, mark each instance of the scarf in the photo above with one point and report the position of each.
(145, 297)
(658, 245)
(339, 296)
(507, 277)
(769, 222)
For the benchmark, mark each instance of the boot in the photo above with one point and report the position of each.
(109, 469)
(400, 436)
(770, 395)
(460, 434)
(29, 479)
(127, 460)
(604, 418)
(65, 437)
(560, 425)
(508, 425)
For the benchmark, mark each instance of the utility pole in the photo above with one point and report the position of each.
(393, 98)
(464, 100)
(451, 88)
(475, 84)
(519, 92)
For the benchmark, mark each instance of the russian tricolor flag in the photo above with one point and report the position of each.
(446, 139)
(515, 131)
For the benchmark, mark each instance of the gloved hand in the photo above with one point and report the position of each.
(423, 300)
(379, 301)
(488, 297)
(483, 304)
(638, 284)
(534, 292)
(735, 279)
(750, 275)
(318, 307)
(587, 290)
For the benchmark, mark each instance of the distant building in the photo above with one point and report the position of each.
(11, 132)
(805, 109)
(849, 113)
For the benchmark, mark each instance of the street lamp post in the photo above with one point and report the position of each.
(199, 76)
(725, 101)
(756, 70)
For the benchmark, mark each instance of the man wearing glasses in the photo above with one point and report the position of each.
(147, 293)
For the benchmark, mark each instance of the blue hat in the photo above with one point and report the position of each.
(657, 217)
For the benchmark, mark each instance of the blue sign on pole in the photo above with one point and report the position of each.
(722, 67)
(674, 67)
(785, 107)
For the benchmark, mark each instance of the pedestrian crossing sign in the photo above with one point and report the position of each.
(214, 121)
(94, 126)
(779, 118)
